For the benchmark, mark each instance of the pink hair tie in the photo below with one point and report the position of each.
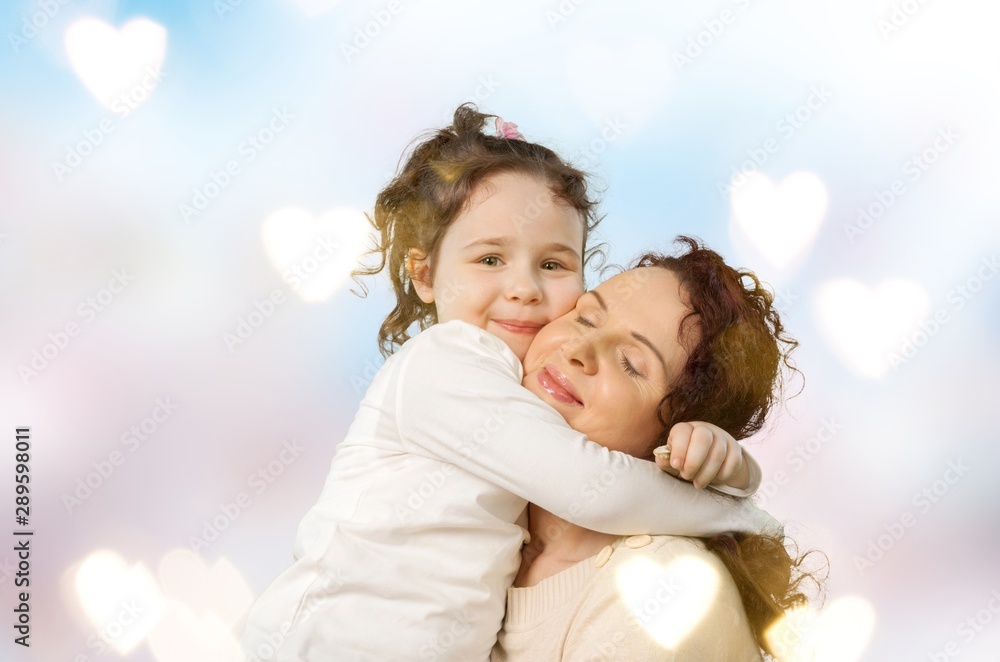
(508, 130)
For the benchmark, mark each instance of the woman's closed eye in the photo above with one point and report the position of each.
(629, 368)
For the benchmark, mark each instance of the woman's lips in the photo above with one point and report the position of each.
(556, 384)
(518, 326)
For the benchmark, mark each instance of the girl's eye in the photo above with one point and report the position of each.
(551, 265)
(629, 368)
(490, 260)
(580, 320)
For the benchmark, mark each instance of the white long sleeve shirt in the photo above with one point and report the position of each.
(416, 537)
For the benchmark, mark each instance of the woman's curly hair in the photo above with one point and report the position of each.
(737, 344)
(737, 365)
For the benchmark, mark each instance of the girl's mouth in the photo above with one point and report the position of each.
(518, 326)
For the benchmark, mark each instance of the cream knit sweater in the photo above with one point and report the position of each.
(641, 598)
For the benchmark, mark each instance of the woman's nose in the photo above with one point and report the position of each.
(581, 351)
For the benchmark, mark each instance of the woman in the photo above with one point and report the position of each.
(623, 370)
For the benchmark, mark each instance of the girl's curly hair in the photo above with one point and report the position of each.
(433, 186)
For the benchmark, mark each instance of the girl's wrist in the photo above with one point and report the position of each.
(741, 480)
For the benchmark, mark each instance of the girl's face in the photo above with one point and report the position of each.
(511, 263)
(606, 365)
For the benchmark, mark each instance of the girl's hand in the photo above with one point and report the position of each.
(704, 454)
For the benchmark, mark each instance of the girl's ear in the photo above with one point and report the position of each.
(419, 271)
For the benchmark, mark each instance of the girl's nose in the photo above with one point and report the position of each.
(523, 287)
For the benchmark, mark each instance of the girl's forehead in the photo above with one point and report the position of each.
(519, 209)
(512, 183)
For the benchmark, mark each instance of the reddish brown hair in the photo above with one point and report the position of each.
(738, 351)
(736, 342)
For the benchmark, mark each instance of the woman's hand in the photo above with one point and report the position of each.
(704, 454)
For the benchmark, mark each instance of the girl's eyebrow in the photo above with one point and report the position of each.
(556, 247)
(489, 241)
(635, 334)
(503, 242)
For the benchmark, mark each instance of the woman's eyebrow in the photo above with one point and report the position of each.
(635, 334)
(645, 341)
(600, 299)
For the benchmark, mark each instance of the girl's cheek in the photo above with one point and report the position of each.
(564, 309)
(569, 295)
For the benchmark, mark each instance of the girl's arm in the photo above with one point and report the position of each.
(459, 400)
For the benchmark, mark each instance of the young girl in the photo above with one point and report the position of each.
(417, 534)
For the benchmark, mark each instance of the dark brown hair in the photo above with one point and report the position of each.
(769, 574)
(434, 186)
(738, 355)
(736, 342)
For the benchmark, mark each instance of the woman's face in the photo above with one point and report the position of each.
(606, 365)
